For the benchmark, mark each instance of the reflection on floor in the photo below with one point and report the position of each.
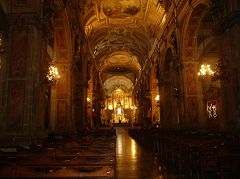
(157, 154)
(133, 161)
(191, 154)
(91, 156)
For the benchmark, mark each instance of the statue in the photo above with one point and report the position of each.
(119, 113)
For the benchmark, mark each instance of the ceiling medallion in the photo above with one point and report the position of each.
(121, 8)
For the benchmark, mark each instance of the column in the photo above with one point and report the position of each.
(23, 74)
(228, 33)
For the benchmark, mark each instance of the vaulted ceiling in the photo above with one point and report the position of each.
(121, 34)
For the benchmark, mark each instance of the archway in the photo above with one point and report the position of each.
(192, 93)
(170, 91)
(57, 50)
(118, 101)
(155, 96)
(208, 54)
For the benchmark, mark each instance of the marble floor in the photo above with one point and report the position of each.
(133, 161)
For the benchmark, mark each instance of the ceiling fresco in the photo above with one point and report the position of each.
(120, 59)
(118, 82)
(120, 34)
(121, 8)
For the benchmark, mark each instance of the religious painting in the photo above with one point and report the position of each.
(62, 85)
(121, 8)
(19, 53)
(60, 37)
(16, 105)
(193, 109)
(191, 79)
(63, 55)
(61, 114)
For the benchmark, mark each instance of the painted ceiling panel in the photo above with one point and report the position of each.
(121, 8)
(120, 35)
(118, 82)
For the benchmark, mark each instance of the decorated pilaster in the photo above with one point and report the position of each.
(3, 69)
(80, 84)
(227, 30)
(23, 71)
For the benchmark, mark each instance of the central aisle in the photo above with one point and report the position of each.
(133, 161)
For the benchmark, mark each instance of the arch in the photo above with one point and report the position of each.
(208, 53)
(62, 59)
(193, 51)
(188, 58)
(169, 91)
(189, 11)
(191, 27)
(154, 90)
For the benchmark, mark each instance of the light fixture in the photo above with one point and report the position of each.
(157, 98)
(134, 107)
(53, 74)
(1, 40)
(88, 102)
(205, 71)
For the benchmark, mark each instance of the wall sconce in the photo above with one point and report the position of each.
(157, 99)
(88, 100)
(53, 74)
(205, 71)
(1, 40)
(134, 107)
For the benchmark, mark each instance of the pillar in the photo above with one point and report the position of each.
(22, 78)
(229, 36)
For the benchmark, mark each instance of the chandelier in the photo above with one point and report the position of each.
(205, 71)
(52, 75)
